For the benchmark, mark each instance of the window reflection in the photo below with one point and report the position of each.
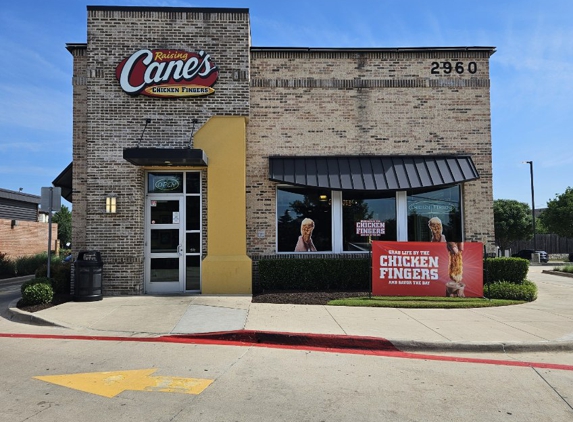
(377, 210)
(163, 212)
(304, 220)
(435, 215)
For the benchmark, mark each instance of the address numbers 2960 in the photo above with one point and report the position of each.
(448, 67)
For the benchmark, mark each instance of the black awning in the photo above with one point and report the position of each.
(372, 173)
(165, 156)
(64, 181)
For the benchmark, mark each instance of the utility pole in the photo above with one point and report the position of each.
(532, 203)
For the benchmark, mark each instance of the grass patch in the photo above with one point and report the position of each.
(566, 269)
(423, 302)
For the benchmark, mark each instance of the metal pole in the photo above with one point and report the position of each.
(532, 203)
(50, 232)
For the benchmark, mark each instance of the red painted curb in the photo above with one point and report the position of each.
(331, 341)
(314, 342)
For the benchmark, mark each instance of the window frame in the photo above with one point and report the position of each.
(336, 207)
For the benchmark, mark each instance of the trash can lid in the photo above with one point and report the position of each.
(93, 256)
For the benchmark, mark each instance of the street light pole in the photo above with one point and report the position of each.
(532, 203)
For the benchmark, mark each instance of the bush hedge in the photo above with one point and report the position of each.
(32, 282)
(24, 265)
(7, 266)
(513, 270)
(526, 291)
(507, 276)
(60, 273)
(37, 293)
(27, 265)
(317, 274)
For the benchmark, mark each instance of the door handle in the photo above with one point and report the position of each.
(180, 250)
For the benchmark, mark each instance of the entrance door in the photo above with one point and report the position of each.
(173, 232)
(164, 244)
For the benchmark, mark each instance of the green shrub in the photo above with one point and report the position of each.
(526, 291)
(565, 269)
(512, 270)
(27, 265)
(7, 266)
(37, 293)
(318, 274)
(60, 274)
(33, 281)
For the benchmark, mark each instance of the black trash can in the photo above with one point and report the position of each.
(88, 270)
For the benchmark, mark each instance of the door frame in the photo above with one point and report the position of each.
(164, 287)
(182, 251)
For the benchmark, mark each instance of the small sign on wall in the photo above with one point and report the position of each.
(370, 228)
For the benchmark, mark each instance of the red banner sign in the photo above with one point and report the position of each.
(167, 73)
(427, 269)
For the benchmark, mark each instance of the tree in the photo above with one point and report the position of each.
(64, 220)
(512, 221)
(558, 217)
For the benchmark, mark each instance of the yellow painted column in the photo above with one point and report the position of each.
(226, 269)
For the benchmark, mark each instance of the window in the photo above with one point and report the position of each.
(315, 220)
(304, 220)
(435, 215)
(367, 216)
(165, 183)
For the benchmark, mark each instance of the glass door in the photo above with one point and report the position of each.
(173, 232)
(164, 244)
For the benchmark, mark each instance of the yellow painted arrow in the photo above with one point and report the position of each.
(110, 384)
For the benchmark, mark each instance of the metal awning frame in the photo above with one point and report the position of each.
(372, 173)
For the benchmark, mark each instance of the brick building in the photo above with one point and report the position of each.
(195, 154)
(22, 230)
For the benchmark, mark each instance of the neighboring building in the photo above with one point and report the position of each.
(209, 153)
(18, 206)
(22, 232)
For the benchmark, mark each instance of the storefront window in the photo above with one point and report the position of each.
(435, 215)
(334, 221)
(304, 220)
(165, 182)
(365, 217)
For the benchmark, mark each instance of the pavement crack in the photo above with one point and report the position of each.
(553, 388)
(425, 325)
(507, 325)
(337, 323)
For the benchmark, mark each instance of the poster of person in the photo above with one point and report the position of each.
(305, 243)
(452, 269)
(436, 229)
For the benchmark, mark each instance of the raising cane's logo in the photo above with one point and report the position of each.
(167, 73)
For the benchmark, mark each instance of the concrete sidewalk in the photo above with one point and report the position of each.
(546, 324)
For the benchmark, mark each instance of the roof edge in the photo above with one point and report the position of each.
(371, 49)
(19, 196)
(169, 9)
(76, 46)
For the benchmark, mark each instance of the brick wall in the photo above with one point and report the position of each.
(79, 83)
(25, 239)
(371, 102)
(300, 102)
(114, 120)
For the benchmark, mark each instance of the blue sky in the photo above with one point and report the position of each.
(531, 73)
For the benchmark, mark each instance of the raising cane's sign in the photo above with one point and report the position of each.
(167, 73)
